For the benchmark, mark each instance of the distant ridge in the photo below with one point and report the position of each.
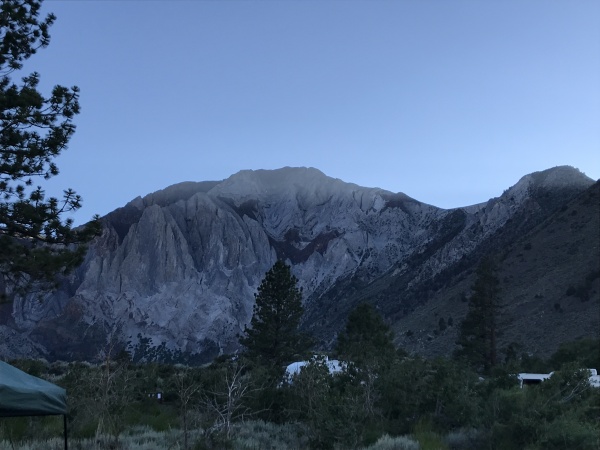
(174, 273)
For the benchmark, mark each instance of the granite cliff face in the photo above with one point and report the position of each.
(174, 273)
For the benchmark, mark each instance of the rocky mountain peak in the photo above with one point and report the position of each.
(287, 182)
(561, 182)
(177, 192)
(555, 178)
(181, 265)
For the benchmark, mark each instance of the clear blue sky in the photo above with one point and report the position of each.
(450, 102)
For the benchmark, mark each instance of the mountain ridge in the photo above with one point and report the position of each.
(180, 266)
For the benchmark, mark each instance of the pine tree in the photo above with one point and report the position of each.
(273, 339)
(367, 339)
(367, 347)
(35, 242)
(478, 331)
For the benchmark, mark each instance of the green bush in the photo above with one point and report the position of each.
(563, 408)
(427, 437)
(465, 439)
(257, 435)
(585, 352)
(14, 428)
(387, 442)
(569, 432)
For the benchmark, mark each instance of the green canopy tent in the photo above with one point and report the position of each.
(22, 394)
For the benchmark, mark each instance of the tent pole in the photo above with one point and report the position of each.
(65, 426)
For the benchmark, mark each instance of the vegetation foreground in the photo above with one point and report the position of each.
(399, 403)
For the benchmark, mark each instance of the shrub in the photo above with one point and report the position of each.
(465, 439)
(428, 439)
(258, 435)
(387, 442)
(568, 432)
(442, 324)
(586, 352)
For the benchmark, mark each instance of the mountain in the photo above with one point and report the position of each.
(173, 275)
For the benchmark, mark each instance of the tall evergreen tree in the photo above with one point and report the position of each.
(273, 338)
(367, 339)
(366, 345)
(478, 331)
(35, 242)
